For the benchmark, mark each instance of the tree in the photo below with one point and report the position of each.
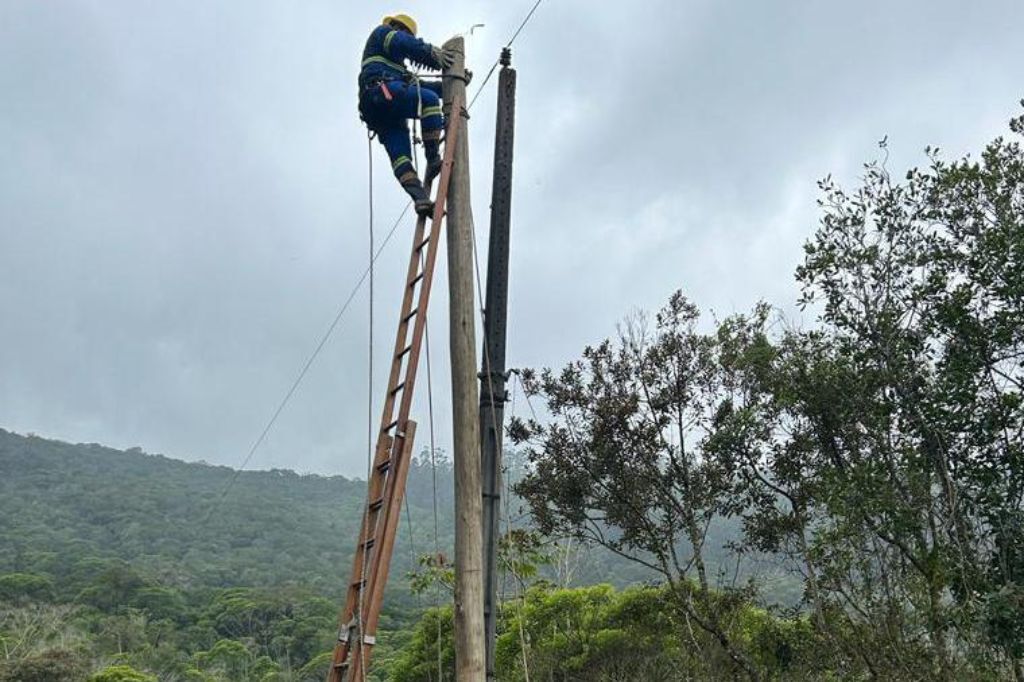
(121, 673)
(622, 463)
(922, 286)
(21, 588)
(115, 587)
(27, 630)
(55, 665)
(234, 661)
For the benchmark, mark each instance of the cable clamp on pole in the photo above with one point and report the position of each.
(457, 77)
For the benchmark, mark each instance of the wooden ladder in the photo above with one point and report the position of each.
(358, 622)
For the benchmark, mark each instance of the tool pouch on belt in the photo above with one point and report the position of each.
(372, 97)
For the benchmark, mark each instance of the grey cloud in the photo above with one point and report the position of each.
(183, 189)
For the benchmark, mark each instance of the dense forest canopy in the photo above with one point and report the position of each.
(185, 556)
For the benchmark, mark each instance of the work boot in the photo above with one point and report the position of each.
(421, 200)
(433, 170)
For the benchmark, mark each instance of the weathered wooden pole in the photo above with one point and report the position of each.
(492, 375)
(469, 603)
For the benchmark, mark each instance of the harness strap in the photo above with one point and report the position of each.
(377, 59)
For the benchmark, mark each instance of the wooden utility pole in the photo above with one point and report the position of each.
(469, 603)
(492, 375)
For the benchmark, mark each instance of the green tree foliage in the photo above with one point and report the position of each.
(54, 665)
(597, 633)
(121, 673)
(430, 654)
(30, 629)
(233, 661)
(623, 463)
(25, 587)
(923, 291)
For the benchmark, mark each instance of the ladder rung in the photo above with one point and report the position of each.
(377, 504)
(397, 388)
(384, 466)
(415, 280)
(419, 247)
(368, 544)
(341, 666)
(402, 353)
(359, 584)
(412, 314)
(391, 425)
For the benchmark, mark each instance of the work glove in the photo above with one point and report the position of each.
(445, 58)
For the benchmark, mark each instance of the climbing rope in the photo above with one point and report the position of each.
(520, 595)
(433, 476)
(369, 410)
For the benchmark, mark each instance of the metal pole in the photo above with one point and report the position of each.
(469, 603)
(492, 375)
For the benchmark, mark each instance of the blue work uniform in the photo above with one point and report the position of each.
(389, 95)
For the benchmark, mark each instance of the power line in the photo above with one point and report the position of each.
(511, 40)
(523, 25)
(310, 360)
(369, 411)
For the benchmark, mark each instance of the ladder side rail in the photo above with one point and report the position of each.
(428, 267)
(424, 272)
(369, 523)
(402, 450)
(401, 337)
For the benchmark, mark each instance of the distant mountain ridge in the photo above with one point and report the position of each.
(62, 503)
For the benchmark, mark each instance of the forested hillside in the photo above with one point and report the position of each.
(146, 558)
(197, 525)
(115, 552)
(67, 503)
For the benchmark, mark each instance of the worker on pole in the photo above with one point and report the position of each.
(390, 95)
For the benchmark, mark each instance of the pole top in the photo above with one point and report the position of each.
(457, 70)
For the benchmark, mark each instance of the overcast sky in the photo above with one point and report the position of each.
(183, 189)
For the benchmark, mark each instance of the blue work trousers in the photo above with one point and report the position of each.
(386, 109)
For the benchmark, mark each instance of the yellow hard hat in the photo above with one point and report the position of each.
(404, 20)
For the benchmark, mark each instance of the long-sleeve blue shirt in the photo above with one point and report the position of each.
(386, 52)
